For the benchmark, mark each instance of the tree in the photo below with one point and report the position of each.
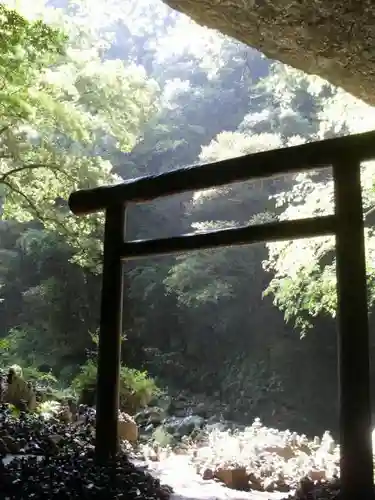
(75, 108)
(78, 110)
(39, 309)
(288, 102)
(199, 277)
(304, 282)
(205, 88)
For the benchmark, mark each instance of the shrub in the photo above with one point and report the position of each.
(34, 375)
(137, 389)
(48, 409)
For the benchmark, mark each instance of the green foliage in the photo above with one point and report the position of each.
(304, 272)
(303, 284)
(15, 412)
(203, 277)
(4, 344)
(162, 437)
(75, 108)
(48, 409)
(27, 349)
(253, 383)
(137, 389)
(26, 48)
(305, 295)
(33, 374)
(18, 349)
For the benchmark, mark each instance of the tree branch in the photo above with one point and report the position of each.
(31, 166)
(25, 197)
(43, 218)
(4, 129)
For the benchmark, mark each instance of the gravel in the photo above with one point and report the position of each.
(55, 460)
(77, 475)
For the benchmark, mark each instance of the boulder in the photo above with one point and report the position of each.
(208, 474)
(18, 392)
(65, 415)
(127, 428)
(236, 478)
(183, 426)
(329, 38)
(151, 415)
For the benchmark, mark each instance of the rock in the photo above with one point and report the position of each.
(55, 438)
(214, 425)
(149, 428)
(306, 486)
(190, 423)
(88, 396)
(183, 426)
(127, 428)
(18, 392)
(315, 36)
(2, 388)
(150, 415)
(32, 434)
(201, 410)
(304, 448)
(285, 452)
(180, 412)
(317, 475)
(162, 401)
(208, 474)
(269, 484)
(177, 408)
(11, 444)
(236, 478)
(272, 484)
(162, 437)
(3, 448)
(73, 407)
(65, 415)
(255, 483)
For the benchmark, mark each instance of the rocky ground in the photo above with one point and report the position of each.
(219, 462)
(184, 442)
(197, 458)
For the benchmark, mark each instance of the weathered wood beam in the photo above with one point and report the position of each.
(109, 355)
(245, 235)
(254, 166)
(353, 336)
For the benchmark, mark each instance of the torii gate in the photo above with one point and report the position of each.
(344, 154)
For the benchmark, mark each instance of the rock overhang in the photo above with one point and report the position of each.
(332, 39)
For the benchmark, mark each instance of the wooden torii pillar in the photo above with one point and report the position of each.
(344, 155)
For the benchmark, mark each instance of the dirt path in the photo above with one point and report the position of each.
(188, 485)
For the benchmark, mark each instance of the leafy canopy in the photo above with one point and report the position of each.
(304, 281)
(63, 111)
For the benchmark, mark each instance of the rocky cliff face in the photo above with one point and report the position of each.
(332, 39)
